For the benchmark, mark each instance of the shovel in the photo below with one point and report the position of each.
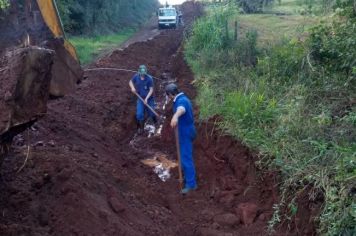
(148, 106)
(179, 162)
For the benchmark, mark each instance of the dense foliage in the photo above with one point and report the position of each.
(294, 101)
(103, 16)
(250, 6)
(334, 44)
(4, 4)
(320, 6)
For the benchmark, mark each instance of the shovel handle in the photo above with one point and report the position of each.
(179, 158)
(149, 107)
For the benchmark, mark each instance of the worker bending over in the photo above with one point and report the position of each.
(183, 118)
(141, 85)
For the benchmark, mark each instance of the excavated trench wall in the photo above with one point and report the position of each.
(85, 177)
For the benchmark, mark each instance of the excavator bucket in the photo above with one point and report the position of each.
(37, 22)
(36, 61)
(63, 64)
(51, 17)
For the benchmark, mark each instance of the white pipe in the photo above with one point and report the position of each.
(116, 69)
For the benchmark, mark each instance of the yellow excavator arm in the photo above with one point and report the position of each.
(52, 19)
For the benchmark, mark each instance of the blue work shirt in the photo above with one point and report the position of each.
(186, 121)
(142, 86)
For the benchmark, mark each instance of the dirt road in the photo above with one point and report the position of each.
(84, 175)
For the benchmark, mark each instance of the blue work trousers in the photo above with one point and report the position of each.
(141, 108)
(186, 137)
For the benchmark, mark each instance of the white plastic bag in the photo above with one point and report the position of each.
(162, 173)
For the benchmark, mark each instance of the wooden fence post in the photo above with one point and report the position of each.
(226, 31)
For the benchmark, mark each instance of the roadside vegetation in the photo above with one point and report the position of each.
(97, 26)
(102, 17)
(4, 4)
(89, 48)
(284, 84)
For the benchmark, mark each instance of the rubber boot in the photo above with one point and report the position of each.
(154, 119)
(187, 189)
(140, 127)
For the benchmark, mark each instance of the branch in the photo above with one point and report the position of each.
(308, 60)
(27, 155)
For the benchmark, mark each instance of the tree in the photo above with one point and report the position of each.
(103, 16)
(4, 4)
(252, 6)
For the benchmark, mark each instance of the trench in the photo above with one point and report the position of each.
(85, 175)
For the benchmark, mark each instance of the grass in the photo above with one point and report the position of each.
(293, 109)
(90, 48)
(288, 7)
(272, 28)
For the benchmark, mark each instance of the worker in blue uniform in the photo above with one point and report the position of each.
(183, 118)
(142, 84)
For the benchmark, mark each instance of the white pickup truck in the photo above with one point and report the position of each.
(167, 17)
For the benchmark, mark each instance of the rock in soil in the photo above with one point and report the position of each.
(227, 219)
(247, 212)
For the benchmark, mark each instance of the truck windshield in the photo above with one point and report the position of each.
(167, 12)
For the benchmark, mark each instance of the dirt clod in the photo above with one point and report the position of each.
(116, 205)
(247, 212)
(227, 219)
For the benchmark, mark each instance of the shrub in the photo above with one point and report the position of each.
(295, 103)
(334, 44)
(4, 4)
(253, 6)
(103, 16)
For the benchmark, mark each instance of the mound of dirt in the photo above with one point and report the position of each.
(24, 87)
(84, 174)
(23, 25)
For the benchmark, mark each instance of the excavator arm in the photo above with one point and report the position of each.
(52, 19)
(36, 61)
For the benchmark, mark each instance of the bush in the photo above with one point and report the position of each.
(253, 6)
(209, 33)
(211, 42)
(103, 16)
(4, 4)
(334, 45)
(295, 103)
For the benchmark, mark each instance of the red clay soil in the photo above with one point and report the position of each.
(84, 176)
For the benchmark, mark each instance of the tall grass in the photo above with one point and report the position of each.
(287, 104)
(4, 4)
(89, 48)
